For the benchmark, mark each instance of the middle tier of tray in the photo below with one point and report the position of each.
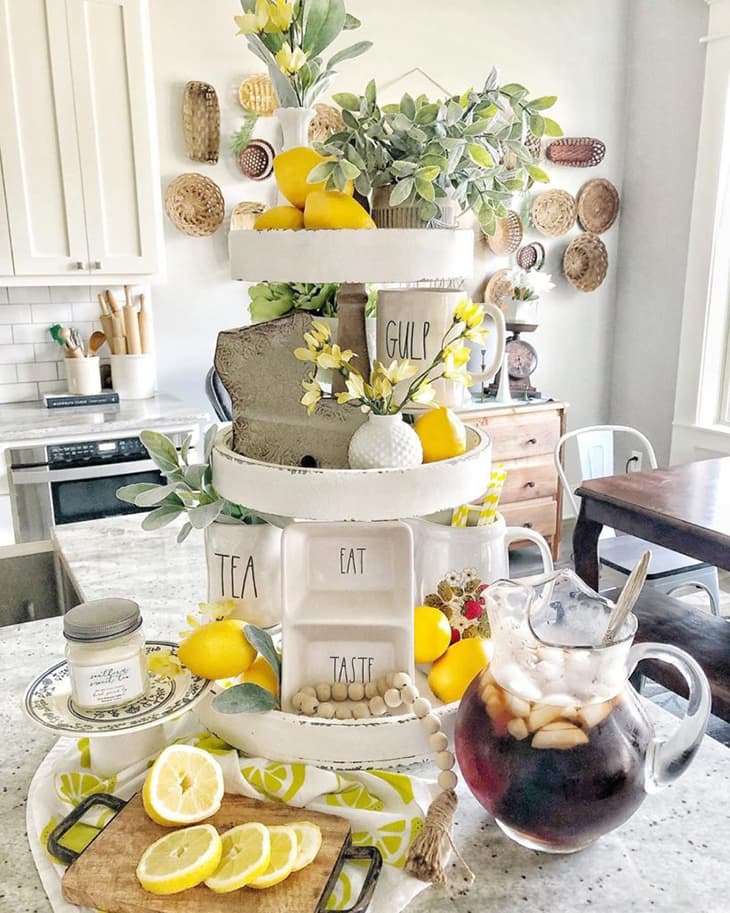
(391, 255)
(352, 494)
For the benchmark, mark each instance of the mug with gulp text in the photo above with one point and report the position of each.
(412, 323)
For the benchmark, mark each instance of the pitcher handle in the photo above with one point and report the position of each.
(491, 310)
(520, 533)
(668, 759)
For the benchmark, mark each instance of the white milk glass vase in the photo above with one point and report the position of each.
(385, 442)
(294, 123)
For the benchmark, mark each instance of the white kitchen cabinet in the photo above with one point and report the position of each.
(6, 251)
(78, 140)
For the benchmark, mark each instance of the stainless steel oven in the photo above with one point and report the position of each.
(68, 482)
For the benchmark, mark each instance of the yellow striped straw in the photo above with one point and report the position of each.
(460, 515)
(490, 501)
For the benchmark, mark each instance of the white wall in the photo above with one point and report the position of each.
(575, 49)
(662, 113)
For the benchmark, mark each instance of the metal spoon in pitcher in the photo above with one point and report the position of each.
(627, 598)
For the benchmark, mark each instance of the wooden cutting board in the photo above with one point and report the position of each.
(103, 877)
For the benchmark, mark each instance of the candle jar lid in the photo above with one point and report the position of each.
(101, 619)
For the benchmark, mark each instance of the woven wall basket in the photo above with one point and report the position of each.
(244, 214)
(585, 262)
(194, 204)
(531, 256)
(576, 151)
(257, 94)
(553, 212)
(201, 122)
(598, 205)
(507, 235)
(498, 287)
(325, 122)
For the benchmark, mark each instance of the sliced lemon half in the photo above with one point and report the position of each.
(180, 860)
(284, 849)
(309, 840)
(246, 855)
(184, 786)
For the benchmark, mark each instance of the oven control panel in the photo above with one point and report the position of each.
(83, 453)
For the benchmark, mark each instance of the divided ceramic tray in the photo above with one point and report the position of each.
(352, 255)
(352, 494)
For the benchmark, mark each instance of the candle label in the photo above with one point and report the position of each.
(104, 686)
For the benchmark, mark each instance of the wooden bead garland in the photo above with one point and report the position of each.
(375, 699)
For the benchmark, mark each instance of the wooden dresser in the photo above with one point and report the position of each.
(523, 439)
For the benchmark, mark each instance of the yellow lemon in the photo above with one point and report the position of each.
(332, 209)
(180, 860)
(284, 852)
(453, 672)
(183, 786)
(442, 434)
(431, 633)
(280, 217)
(309, 840)
(261, 673)
(291, 169)
(217, 650)
(246, 855)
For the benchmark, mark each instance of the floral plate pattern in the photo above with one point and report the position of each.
(172, 689)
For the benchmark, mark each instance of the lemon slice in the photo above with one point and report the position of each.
(284, 849)
(309, 840)
(180, 860)
(246, 855)
(184, 786)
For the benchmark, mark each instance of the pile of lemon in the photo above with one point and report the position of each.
(311, 205)
(183, 788)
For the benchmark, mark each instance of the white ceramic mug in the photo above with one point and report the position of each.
(133, 376)
(411, 324)
(82, 375)
(440, 549)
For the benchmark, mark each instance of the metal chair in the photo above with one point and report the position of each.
(218, 396)
(668, 570)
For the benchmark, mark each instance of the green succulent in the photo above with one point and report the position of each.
(469, 148)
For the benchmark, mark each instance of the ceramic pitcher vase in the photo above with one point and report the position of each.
(551, 738)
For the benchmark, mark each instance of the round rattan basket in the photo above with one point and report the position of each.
(498, 287)
(507, 235)
(194, 204)
(531, 256)
(585, 262)
(256, 93)
(598, 205)
(325, 122)
(553, 212)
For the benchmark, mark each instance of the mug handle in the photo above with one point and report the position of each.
(668, 759)
(491, 310)
(520, 533)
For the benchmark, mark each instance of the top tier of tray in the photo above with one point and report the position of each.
(393, 255)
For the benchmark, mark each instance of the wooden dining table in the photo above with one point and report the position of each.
(685, 508)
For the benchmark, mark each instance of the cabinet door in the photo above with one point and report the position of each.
(114, 94)
(38, 140)
(6, 251)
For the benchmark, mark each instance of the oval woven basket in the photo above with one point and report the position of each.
(553, 212)
(585, 262)
(201, 122)
(598, 205)
(194, 204)
(576, 151)
(256, 93)
(507, 235)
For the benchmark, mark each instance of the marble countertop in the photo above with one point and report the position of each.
(31, 423)
(114, 556)
(670, 857)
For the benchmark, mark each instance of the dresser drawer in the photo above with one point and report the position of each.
(529, 479)
(517, 436)
(539, 516)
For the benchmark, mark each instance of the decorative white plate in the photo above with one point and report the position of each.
(48, 703)
(352, 494)
(347, 603)
(352, 255)
(378, 742)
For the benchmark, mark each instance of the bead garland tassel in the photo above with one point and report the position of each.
(391, 692)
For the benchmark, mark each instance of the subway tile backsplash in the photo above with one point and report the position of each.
(31, 364)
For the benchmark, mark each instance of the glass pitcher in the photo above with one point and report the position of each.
(552, 739)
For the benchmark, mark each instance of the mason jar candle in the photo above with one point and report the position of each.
(105, 653)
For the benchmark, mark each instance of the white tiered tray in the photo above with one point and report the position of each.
(378, 742)
(352, 494)
(377, 255)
